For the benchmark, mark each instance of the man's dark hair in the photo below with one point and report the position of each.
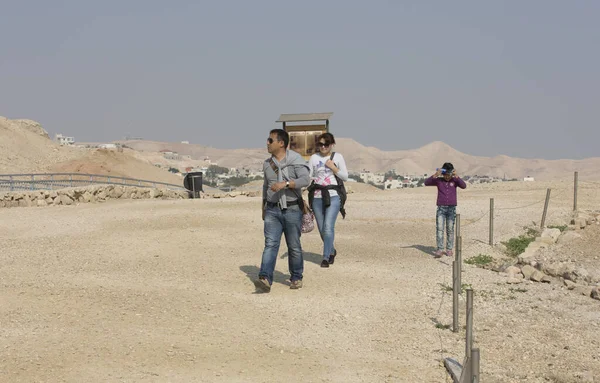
(282, 135)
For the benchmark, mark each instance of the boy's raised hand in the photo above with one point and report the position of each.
(438, 172)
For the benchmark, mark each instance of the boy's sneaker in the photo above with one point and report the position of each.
(324, 263)
(449, 253)
(297, 284)
(438, 253)
(262, 284)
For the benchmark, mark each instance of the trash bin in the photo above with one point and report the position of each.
(193, 183)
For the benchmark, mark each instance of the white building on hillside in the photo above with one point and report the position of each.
(529, 179)
(372, 177)
(64, 140)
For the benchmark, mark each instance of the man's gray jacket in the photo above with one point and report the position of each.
(292, 168)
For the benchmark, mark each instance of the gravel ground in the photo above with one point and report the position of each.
(161, 291)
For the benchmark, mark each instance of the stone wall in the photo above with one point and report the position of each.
(100, 193)
(96, 193)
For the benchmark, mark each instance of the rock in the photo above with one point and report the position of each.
(528, 271)
(570, 284)
(574, 274)
(546, 279)
(512, 270)
(547, 240)
(593, 277)
(584, 290)
(66, 200)
(595, 293)
(42, 202)
(580, 223)
(32, 126)
(537, 276)
(568, 236)
(515, 280)
(551, 233)
(527, 257)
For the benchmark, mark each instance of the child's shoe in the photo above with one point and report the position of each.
(438, 254)
(449, 253)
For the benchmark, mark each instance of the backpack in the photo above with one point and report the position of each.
(341, 191)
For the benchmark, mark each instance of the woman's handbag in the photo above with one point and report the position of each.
(308, 219)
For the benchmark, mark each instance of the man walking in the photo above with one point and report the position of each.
(285, 174)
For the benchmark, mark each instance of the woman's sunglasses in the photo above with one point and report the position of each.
(270, 140)
(322, 145)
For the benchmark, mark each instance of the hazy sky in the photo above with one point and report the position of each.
(520, 78)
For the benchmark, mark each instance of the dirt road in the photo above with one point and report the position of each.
(161, 291)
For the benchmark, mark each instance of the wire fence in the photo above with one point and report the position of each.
(506, 218)
(55, 181)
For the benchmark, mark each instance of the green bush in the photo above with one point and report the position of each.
(516, 246)
(559, 227)
(481, 259)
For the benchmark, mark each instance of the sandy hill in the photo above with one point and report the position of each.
(423, 160)
(26, 148)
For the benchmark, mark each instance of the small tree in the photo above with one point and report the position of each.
(173, 170)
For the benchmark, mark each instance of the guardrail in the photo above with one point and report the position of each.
(54, 181)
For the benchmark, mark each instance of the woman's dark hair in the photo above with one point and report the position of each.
(328, 138)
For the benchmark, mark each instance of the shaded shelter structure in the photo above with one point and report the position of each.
(304, 130)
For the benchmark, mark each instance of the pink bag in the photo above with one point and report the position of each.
(308, 218)
(308, 222)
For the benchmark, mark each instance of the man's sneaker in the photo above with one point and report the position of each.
(324, 263)
(438, 253)
(449, 253)
(297, 284)
(262, 284)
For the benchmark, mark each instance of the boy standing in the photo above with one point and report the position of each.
(446, 205)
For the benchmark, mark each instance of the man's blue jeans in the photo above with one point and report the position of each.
(445, 217)
(289, 223)
(326, 222)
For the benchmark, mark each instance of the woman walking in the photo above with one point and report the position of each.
(326, 193)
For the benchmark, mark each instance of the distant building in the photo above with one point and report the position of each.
(528, 178)
(372, 177)
(64, 140)
(185, 142)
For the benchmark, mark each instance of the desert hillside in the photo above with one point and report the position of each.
(26, 148)
(412, 162)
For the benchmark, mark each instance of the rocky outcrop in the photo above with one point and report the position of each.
(101, 193)
(98, 193)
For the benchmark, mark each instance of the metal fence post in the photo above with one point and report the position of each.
(491, 222)
(12, 186)
(458, 259)
(575, 181)
(457, 231)
(475, 365)
(455, 290)
(71, 179)
(543, 223)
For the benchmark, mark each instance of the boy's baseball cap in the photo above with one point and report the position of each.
(448, 167)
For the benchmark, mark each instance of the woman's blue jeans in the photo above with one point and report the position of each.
(326, 222)
(445, 218)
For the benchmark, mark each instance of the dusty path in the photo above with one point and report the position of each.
(161, 291)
